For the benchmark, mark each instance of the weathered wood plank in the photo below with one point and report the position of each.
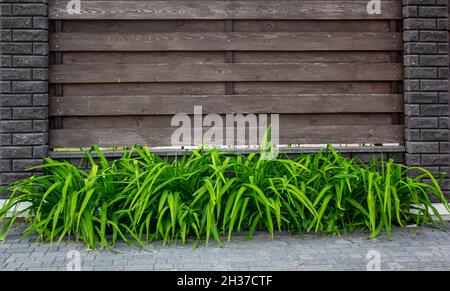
(312, 25)
(219, 57)
(121, 73)
(276, 25)
(263, 9)
(290, 134)
(227, 41)
(156, 57)
(240, 88)
(158, 26)
(274, 88)
(306, 57)
(164, 121)
(110, 89)
(222, 104)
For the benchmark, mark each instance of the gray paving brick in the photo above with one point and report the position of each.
(426, 250)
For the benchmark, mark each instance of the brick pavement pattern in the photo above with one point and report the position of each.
(410, 249)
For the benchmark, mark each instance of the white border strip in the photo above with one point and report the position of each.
(19, 207)
(441, 209)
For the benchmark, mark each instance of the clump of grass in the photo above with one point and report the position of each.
(142, 197)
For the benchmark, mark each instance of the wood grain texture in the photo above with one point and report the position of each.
(227, 41)
(155, 57)
(223, 104)
(218, 88)
(110, 89)
(319, 87)
(263, 9)
(123, 73)
(288, 135)
(311, 25)
(163, 121)
(255, 25)
(329, 69)
(312, 57)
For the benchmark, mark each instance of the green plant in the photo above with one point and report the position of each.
(142, 197)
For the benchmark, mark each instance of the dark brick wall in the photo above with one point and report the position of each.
(24, 88)
(426, 63)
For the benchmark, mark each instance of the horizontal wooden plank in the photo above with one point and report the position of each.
(227, 41)
(312, 25)
(123, 73)
(273, 88)
(110, 89)
(293, 134)
(305, 57)
(222, 104)
(290, 134)
(220, 57)
(240, 88)
(277, 25)
(156, 57)
(164, 121)
(194, 9)
(156, 26)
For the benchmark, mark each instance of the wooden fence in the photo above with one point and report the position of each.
(121, 69)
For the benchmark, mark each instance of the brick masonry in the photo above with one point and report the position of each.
(24, 87)
(426, 61)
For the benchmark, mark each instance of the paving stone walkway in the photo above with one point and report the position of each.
(410, 249)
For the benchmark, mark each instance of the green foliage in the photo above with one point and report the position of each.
(209, 194)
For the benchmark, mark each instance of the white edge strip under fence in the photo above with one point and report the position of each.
(19, 207)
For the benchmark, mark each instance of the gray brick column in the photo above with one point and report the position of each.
(425, 33)
(24, 88)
